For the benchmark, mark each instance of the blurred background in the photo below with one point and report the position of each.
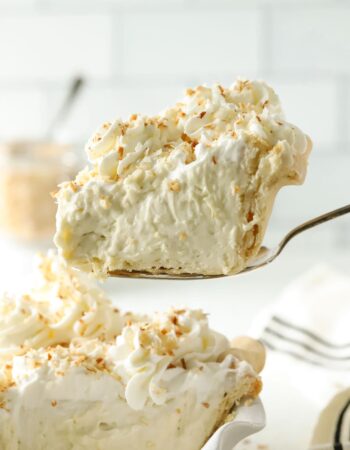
(136, 56)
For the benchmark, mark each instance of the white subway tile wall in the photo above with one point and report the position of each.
(22, 111)
(184, 43)
(311, 38)
(139, 56)
(311, 104)
(53, 48)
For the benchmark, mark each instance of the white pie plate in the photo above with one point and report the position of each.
(248, 420)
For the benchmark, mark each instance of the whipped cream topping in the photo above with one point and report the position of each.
(189, 190)
(77, 373)
(205, 115)
(152, 358)
(74, 398)
(152, 361)
(64, 304)
(66, 321)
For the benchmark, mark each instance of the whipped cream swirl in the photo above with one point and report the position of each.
(64, 305)
(151, 357)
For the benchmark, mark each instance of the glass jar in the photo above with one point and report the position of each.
(29, 173)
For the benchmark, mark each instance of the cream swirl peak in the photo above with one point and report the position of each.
(64, 304)
(177, 340)
(188, 191)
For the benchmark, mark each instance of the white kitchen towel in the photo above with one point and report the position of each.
(307, 334)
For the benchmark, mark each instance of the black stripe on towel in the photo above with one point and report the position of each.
(337, 445)
(307, 347)
(309, 333)
(301, 357)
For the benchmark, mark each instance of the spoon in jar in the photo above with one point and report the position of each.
(69, 99)
(265, 255)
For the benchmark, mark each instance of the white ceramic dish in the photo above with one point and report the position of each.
(249, 420)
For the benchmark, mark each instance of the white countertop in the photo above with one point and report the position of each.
(232, 303)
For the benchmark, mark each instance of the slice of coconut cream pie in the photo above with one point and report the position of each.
(188, 191)
(76, 373)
